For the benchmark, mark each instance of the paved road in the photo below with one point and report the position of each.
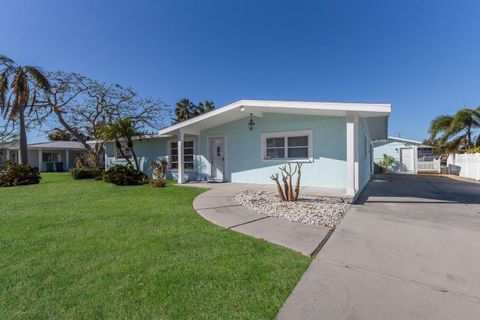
(411, 250)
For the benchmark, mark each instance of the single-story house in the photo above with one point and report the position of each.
(406, 152)
(247, 141)
(55, 155)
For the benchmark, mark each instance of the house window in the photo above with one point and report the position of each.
(294, 145)
(50, 157)
(126, 151)
(187, 155)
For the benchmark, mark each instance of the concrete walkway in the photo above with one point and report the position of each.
(218, 205)
(410, 251)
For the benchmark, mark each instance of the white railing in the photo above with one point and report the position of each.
(464, 165)
(428, 166)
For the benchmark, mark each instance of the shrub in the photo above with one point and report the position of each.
(386, 162)
(18, 174)
(86, 173)
(159, 171)
(158, 183)
(124, 176)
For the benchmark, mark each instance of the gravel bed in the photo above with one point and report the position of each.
(323, 211)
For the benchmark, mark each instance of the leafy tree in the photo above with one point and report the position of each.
(84, 107)
(59, 135)
(456, 132)
(186, 109)
(19, 86)
(122, 130)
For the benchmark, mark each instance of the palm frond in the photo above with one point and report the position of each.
(440, 124)
(3, 88)
(39, 78)
(6, 60)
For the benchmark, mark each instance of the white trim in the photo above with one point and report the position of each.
(374, 108)
(286, 134)
(225, 163)
(352, 154)
(180, 166)
(404, 140)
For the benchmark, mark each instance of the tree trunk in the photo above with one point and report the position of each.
(23, 154)
(130, 143)
(70, 130)
(118, 145)
(285, 184)
(299, 174)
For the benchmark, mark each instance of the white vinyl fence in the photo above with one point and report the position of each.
(464, 165)
(428, 166)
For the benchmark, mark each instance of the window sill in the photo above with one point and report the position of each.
(184, 170)
(309, 160)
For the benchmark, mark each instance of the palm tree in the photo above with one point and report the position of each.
(184, 110)
(204, 107)
(15, 96)
(122, 129)
(456, 132)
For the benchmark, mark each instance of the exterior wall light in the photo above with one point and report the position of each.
(251, 123)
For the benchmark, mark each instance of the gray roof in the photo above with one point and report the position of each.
(71, 145)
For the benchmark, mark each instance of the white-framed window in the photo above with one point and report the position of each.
(126, 151)
(287, 145)
(188, 155)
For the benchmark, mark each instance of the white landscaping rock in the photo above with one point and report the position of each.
(323, 211)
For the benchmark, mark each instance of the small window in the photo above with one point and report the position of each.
(295, 145)
(126, 151)
(188, 156)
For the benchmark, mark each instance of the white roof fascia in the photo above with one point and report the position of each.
(384, 108)
(404, 140)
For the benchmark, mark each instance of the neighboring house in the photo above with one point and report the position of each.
(41, 155)
(407, 154)
(247, 141)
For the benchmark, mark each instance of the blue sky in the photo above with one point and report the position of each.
(421, 56)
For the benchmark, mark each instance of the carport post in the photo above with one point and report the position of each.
(352, 154)
(40, 154)
(67, 160)
(180, 138)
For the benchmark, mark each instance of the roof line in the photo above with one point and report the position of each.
(403, 139)
(340, 106)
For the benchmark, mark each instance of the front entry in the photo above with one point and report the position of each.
(217, 158)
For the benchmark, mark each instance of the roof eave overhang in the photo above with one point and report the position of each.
(257, 107)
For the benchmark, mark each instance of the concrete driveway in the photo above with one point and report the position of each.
(409, 250)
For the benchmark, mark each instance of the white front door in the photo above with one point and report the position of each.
(406, 159)
(217, 158)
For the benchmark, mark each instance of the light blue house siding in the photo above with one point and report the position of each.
(391, 148)
(243, 161)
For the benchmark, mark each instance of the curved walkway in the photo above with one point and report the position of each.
(218, 205)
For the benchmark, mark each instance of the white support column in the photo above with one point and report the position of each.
(40, 154)
(415, 159)
(352, 155)
(7, 155)
(67, 161)
(180, 171)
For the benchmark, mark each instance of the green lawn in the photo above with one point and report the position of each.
(87, 249)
